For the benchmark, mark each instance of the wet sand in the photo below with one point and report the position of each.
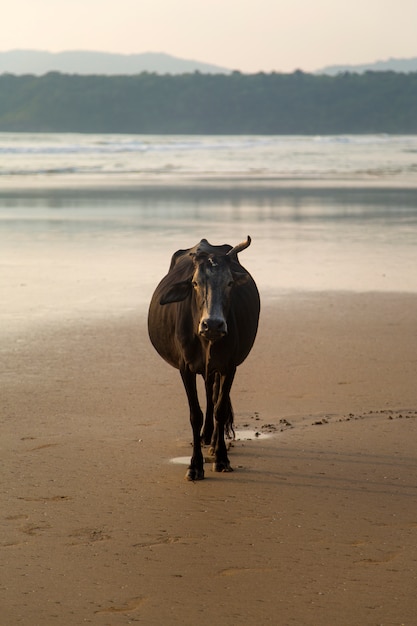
(316, 525)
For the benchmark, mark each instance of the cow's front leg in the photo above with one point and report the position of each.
(208, 427)
(222, 414)
(196, 468)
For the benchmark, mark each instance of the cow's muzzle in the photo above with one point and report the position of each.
(212, 329)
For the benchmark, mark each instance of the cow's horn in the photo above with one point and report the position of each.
(240, 246)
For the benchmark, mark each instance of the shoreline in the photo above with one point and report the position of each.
(175, 182)
(99, 525)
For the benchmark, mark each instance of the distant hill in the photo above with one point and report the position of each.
(197, 103)
(84, 62)
(393, 65)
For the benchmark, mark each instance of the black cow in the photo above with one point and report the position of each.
(203, 319)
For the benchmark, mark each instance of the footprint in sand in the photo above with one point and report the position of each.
(233, 571)
(13, 518)
(383, 559)
(42, 446)
(44, 498)
(83, 536)
(128, 607)
(35, 529)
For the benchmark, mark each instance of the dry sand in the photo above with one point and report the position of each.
(317, 525)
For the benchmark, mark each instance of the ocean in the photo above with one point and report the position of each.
(25, 155)
(88, 223)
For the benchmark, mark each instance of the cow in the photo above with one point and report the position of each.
(203, 318)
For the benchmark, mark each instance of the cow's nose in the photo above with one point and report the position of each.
(213, 328)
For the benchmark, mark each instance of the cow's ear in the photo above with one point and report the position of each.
(176, 293)
(240, 278)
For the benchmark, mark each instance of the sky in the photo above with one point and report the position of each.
(245, 35)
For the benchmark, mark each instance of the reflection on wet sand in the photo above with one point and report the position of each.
(70, 251)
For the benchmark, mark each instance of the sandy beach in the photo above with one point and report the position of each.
(316, 525)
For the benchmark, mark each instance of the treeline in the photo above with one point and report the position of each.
(298, 103)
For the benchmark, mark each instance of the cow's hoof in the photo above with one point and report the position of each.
(194, 474)
(222, 467)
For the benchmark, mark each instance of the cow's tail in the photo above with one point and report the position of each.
(229, 430)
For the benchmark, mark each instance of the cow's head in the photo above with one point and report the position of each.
(210, 284)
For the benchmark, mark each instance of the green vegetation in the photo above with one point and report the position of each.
(298, 103)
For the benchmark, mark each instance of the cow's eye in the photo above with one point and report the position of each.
(194, 283)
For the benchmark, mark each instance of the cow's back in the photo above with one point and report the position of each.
(245, 308)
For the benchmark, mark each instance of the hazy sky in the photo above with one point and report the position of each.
(247, 35)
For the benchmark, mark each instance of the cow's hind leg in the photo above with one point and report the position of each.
(196, 468)
(228, 414)
(222, 414)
